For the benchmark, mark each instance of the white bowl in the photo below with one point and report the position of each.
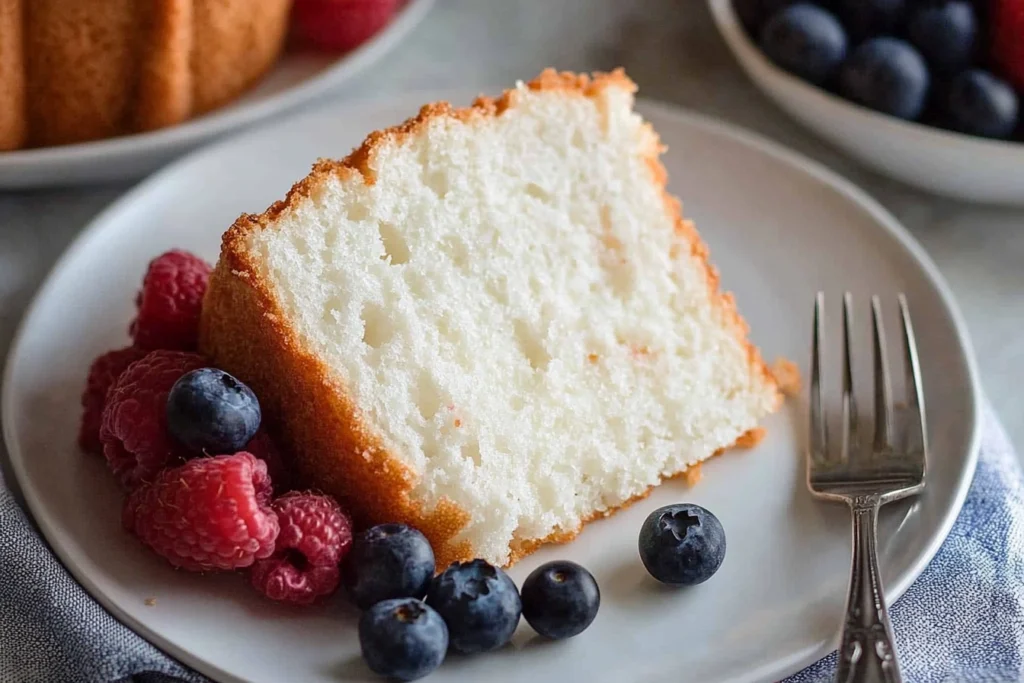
(946, 163)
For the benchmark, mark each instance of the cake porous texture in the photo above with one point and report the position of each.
(490, 323)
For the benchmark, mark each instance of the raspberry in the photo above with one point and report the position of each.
(1008, 40)
(315, 536)
(340, 25)
(103, 373)
(205, 515)
(134, 432)
(170, 302)
(265, 448)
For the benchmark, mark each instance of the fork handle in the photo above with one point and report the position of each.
(867, 652)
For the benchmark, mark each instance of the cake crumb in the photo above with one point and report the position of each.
(639, 351)
(149, 602)
(692, 475)
(751, 438)
(787, 375)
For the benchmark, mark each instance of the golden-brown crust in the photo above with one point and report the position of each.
(751, 438)
(13, 122)
(243, 330)
(234, 45)
(164, 94)
(787, 375)
(549, 80)
(78, 70)
(692, 474)
(79, 58)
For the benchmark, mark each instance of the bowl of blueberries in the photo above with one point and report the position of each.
(929, 92)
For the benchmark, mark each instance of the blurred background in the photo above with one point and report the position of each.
(674, 51)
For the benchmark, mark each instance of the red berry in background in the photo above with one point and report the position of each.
(266, 449)
(136, 442)
(103, 373)
(315, 537)
(1007, 24)
(339, 25)
(206, 515)
(170, 302)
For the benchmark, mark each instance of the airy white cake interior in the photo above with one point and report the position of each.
(510, 306)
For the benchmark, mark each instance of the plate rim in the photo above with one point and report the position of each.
(809, 167)
(204, 128)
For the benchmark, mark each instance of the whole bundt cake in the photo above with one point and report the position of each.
(79, 70)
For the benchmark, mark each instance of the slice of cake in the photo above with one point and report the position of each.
(491, 323)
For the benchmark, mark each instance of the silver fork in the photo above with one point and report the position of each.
(866, 475)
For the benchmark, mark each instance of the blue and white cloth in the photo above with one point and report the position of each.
(962, 621)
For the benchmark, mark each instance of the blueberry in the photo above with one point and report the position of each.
(480, 604)
(886, 74)
(805, 40)
(869, 18)
(978, 103)
(388, 561)
(560, 599)
(753, 13)
(682, 544)
(944, 33)
(402, 638)
(211, 412)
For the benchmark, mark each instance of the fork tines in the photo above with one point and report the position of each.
(886, 426)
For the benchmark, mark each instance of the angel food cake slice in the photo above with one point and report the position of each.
(491, 323)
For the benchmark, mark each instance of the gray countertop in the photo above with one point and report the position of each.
(671, 48)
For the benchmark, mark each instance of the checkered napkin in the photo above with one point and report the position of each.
(961, 621)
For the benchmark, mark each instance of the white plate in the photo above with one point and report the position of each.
(298, 78)
(951, 164)
(779, 227)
